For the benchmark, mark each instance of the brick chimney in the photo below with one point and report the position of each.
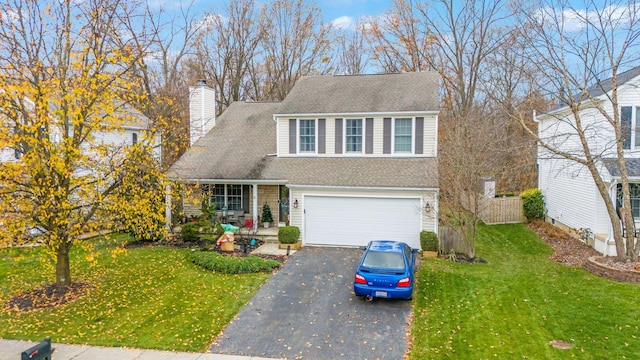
(202, 110)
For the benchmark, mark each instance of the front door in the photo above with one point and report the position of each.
(283, 200)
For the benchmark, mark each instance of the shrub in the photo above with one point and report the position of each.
(429, 241)
(230, 264)
(203, 229)
(532, 204)
(189, 232)
(288, 234)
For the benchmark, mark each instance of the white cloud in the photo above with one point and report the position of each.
(343, 22)
(573, 20)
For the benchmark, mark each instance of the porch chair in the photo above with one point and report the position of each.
(636, 230)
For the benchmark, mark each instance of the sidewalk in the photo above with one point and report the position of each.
(12, 349)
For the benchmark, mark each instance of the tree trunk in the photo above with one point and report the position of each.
(63, 270)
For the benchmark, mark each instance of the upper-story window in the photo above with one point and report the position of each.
(134, 138)
(307, 135)
(630, 126)
(402, 135)
(353, 135)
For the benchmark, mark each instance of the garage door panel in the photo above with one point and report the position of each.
(354, 221)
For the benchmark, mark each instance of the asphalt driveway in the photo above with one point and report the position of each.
(307, 310)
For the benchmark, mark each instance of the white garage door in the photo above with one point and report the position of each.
(354, 221)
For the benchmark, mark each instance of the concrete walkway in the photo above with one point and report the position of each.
(12, 349)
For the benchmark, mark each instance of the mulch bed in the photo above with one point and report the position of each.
(573, 252)
(568, 250)
(47, 296)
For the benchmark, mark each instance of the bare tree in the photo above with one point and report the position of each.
(353, 53)
(575, 48)
(164, 40)
(402, 39)
(298, 44)
(227, 48)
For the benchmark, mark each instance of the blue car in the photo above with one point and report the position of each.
(385, 271)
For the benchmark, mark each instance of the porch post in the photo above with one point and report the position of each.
(255, 207)
(167, 209)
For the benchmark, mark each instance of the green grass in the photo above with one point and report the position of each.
(513, 306)
(151, 297)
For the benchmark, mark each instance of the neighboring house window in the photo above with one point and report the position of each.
(134, 138)
(402, 137)
(637, 126)
(625, 126)
(307, 134)
(227, 195)
(634, 197)
(353, 136)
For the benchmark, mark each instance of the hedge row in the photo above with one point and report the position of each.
(230, 264)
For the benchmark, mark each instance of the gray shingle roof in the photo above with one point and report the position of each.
(363, 93)
(633, 167)
(236, 147)
(605, 85)
(355, 171)
(242, 144)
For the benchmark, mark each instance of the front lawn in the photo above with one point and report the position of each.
(512, 307)
(148, 297)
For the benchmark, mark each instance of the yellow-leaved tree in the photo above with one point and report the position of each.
(75, 156)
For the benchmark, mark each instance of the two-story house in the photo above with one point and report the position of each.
(347, 159)
(570, 193)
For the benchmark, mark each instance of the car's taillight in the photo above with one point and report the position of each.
(404, 282)
(360, 279)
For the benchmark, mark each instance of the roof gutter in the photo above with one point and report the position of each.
(431, 112)
(232, 181)
(362, 187)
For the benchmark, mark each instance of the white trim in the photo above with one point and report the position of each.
(365, 114)
(321, 187)
(231, 181)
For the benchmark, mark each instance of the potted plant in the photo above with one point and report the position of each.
(429, 243)
(288, 236)
(267, 217)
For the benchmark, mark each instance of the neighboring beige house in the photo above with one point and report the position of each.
(347, 159)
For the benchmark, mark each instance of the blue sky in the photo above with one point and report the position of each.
(342, 11)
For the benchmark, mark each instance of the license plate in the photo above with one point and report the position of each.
(382, 294)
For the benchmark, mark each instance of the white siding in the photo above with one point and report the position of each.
(570, 194)
(430, 134)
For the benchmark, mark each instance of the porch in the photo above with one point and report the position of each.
(240, 204)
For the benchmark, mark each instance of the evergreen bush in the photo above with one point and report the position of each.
(288, 234)
(532, 204)
(429, 241)
(266, 214)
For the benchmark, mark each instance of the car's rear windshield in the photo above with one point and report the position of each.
(384, 259)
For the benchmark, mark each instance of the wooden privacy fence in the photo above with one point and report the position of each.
(452, 238)
(497, 210)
